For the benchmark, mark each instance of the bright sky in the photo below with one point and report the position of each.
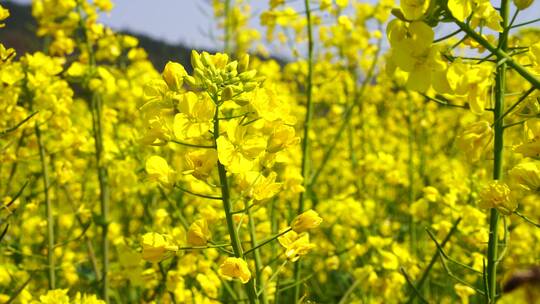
(190, 21)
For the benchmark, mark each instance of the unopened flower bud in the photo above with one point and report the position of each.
(174, 74)
(305, 221)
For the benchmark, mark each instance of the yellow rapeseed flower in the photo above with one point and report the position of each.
(235, 268)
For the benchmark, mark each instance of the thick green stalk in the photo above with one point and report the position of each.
(227, 207)
(500, 85)
(305, 138)
(48, 206)
(104, 196)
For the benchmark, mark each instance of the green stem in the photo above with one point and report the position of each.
(522, 98)
(411, 284)
(500, 85)
(526, 23)
(198, 194)
(305, 138)
(227, 207)
(48, 206)
(104, 196)
(192, 145)
(500, 52)
(15, 127)
(526, 219)
(425, 274)
(266, 241)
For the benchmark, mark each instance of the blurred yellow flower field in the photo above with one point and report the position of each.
(392, 157)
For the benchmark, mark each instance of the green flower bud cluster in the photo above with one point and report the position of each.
(221, 77)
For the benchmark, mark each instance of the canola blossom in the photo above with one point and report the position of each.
(391, 156)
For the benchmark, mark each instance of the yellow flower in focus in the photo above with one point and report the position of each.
(413, 52)
(461, 9)
(296, 245)
(258, 186)
(174, 74)
(472, 82)
(200, 162)
(282, 137)
(485, 14)
(158, 170)
(198, 233)
(475, 139)
(531, 148)
(306, 221)
(235, 268)
(237, 151)
(157, 247)
(527, 174)
(497, 195)
(195, 117)
(414, 9)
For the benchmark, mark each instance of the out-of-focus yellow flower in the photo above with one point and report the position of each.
(56, 296)
(306, 221)
(198, 233)
(104, 5)
(235, 268)
(527, 174)
(464, 292)
(475, 139)
(157, 247)
(342, 3)
(86, 299)
(497, 195)
(389, 260)
(4, 13)
(523, 4)
(158, 170)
